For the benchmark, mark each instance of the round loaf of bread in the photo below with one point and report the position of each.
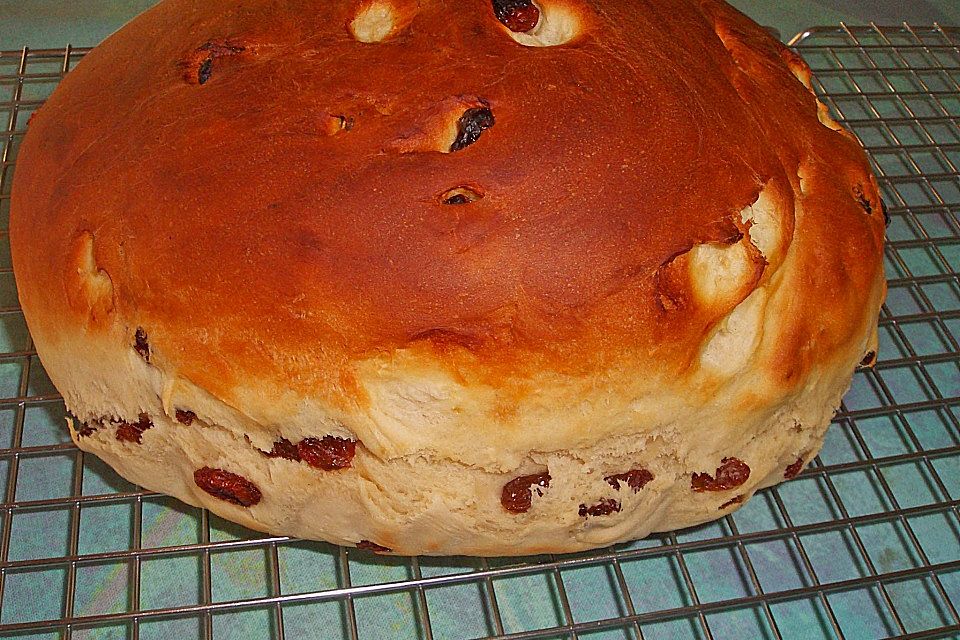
(485, 277)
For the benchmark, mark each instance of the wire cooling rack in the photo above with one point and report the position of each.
(864, 544)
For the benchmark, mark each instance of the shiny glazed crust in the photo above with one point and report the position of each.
(234, 232)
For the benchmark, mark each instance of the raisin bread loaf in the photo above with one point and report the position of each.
(433, 277)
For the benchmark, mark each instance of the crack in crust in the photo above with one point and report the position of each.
(688, 278)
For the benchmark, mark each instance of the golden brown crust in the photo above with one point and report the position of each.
(345, 239)
(264, 196)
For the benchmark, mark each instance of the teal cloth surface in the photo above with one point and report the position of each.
(655, 580)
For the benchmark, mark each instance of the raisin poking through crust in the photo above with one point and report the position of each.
(198, 66)
(794, 469)
(732, 501)
(88, 428)
(605, 507)
(470, 125)
(886, 213)
(140, 344)
(185, 417)
(285, 449)
(730, 474)
(366, 545)
(329, 453)
(227, 486)
(517, 495)
(335, 123)
(460, 195)
(869, 359)
(862, 199)
(636, 479)
(517, 15)
(205, 71)
(133, 432)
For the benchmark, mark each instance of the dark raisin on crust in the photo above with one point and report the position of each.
(471, 124)
(460, 195)
(205, 71)
(794, 469)
(886, 212)
(366, 545)
(126, 432)
(517, 15)
(328, 453)
(869, 359)
(862, 199)
(605, 507)
(227, 486)
(636, 479)
(140, 344)
(517, 495)
(87, 428)
(283, 448)
(730, 474)
(199, 65)
(185, 417)
(133, 431)
(732, 501)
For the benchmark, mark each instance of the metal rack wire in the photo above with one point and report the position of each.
(864, 544)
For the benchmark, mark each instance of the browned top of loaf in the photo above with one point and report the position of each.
(253, 236)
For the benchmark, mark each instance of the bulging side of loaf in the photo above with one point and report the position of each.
(422, 503)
